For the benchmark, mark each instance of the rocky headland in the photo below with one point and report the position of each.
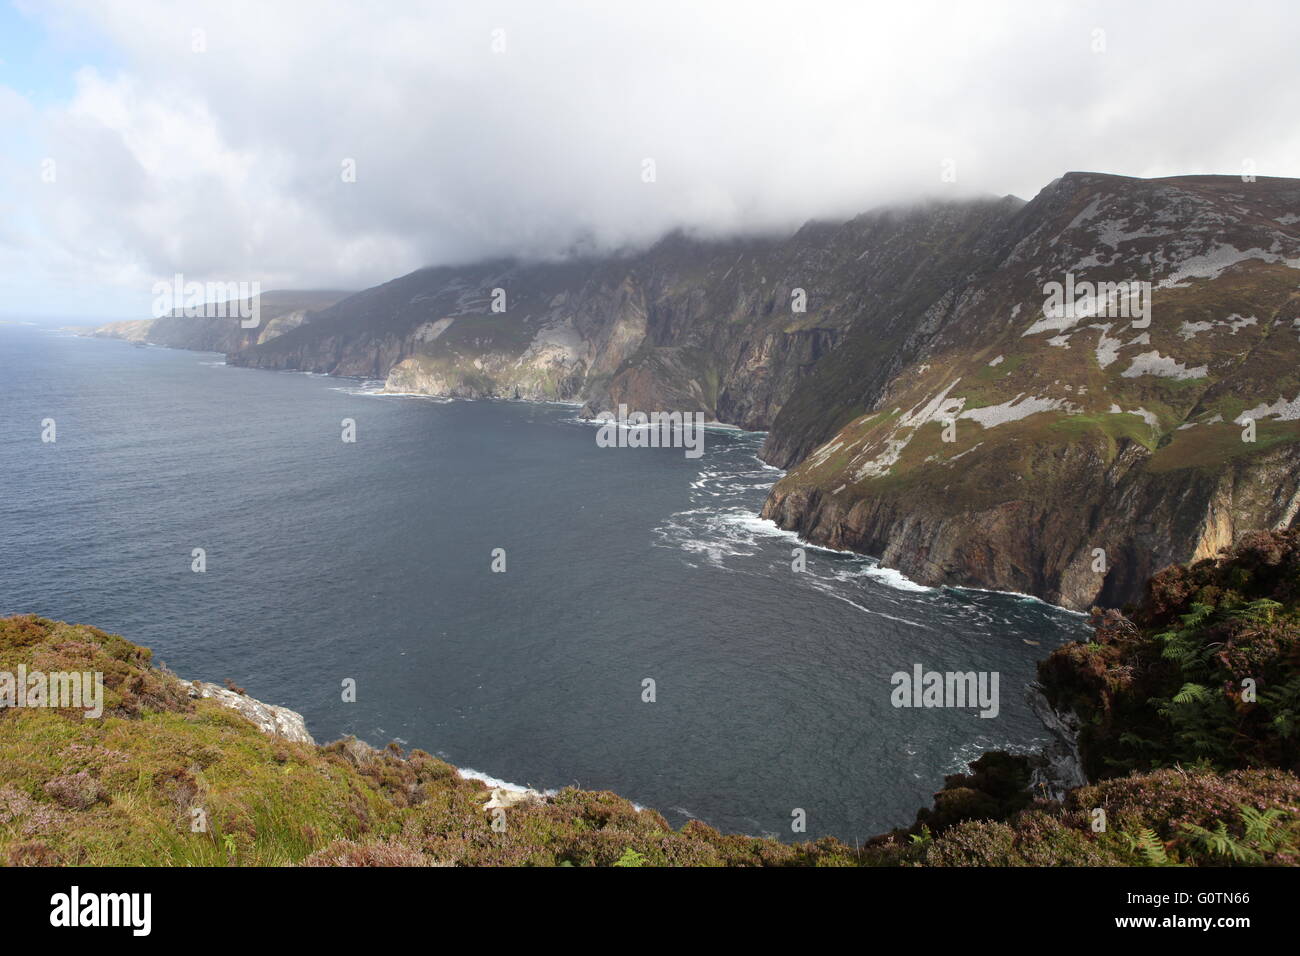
(933, 405)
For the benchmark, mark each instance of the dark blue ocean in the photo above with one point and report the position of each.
(372, 561)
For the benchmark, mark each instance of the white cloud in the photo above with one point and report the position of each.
(226, 163)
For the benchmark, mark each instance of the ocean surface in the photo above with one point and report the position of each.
(372, 561)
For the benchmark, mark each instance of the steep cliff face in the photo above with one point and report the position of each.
(1070, 453)
(728, 328)
(937, 405)
(278, 313)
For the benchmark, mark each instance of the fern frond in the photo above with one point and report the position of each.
(1192, 693)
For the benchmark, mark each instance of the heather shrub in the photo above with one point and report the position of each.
(121, 790)
(77, 791)
(1205, 673)
(350, 853)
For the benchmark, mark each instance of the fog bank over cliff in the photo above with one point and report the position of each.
(308, 145)
(1094, 448)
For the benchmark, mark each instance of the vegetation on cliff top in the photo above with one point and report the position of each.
(1189, 711)
(1010, 440)
(1187, 769)
(1206, 673)
(122, 789)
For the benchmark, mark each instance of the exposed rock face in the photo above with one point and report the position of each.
(727, 328)
(936, 405)
(502, 798)
(1058, 768)
(269, 718)
(1044, 540)
(278, 313)
(1073, 455)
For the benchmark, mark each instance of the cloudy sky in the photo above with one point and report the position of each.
(218, 140)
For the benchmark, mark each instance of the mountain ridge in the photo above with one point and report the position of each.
(1084, 455)
(278, 312)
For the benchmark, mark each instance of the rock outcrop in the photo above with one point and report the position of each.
(268, 718)
(1071, 454)
(278, 312)
(728, 328)
(935, 404)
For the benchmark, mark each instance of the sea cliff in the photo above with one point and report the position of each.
(934, 404)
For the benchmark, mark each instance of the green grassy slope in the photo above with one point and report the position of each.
(1185, 769)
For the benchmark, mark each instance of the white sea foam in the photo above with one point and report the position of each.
(972, 750)
(826, 588)
(374, 388)
(894, 579)
(1026, 598)
(717, 532)
(496, 783)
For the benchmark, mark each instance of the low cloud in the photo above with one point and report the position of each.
(216, 145)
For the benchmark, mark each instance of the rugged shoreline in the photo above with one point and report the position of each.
(1048, 548)
(932, 405)
(771, 509)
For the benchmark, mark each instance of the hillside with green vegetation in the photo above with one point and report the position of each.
(123, 789)
(224, 329)
(1071, 453)
(935, 406)
(1204, 673)
(1189, 729)
(1186, 769)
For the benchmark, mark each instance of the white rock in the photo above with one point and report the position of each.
(269, 718)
